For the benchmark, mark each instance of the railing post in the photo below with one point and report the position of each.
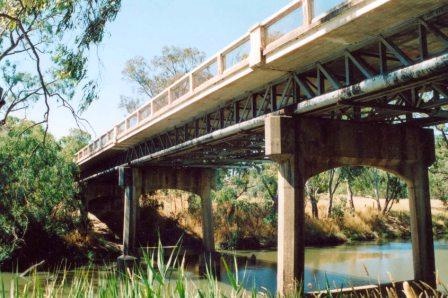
(257, 43)
(191, 82)
(115, 134)
(220, 63)
(169, 95)
(308, 11)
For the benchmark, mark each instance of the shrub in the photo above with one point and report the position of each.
(37, 187)
(356, 229)
(322, 232)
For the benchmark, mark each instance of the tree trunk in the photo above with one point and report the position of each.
(444, 135)
(330, 192)
(377, 192)
(332, 187)
(314, 209)
(350, 196)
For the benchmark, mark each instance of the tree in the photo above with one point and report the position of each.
(44, 51)
(37, 185)
(395, 189)
(153, 77)
(372, 178)
(438, 173)
(334, 180)
(75, 141)
(383, 185)
(351, 176)
(313, 187)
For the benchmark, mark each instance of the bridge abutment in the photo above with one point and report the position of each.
(304, 147)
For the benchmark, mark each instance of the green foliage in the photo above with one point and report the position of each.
(246, 205)
(194, 204)
(74, 142)
(36, 185)
(44, 51)
(439, 171)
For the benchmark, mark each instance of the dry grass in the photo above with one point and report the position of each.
(364, 224)
(356, 227)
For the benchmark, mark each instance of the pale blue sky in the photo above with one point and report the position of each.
(142, 28)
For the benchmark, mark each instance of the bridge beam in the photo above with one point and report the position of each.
(305, 147)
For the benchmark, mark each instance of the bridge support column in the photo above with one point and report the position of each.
(421, 223)
(304, 147)
(131, 180)
(282, 148)
(205, 185)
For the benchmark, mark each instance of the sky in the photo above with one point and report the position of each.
(142, 28)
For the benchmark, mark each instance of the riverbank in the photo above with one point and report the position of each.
(249, 224)
(169, 217)
(366, 223)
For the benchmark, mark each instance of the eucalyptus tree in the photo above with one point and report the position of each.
(313, 187)
(37, 185)
(152, 77)
(44, 49)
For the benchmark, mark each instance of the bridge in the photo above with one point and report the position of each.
(320, 84)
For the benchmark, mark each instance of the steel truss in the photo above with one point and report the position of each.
(418, 103)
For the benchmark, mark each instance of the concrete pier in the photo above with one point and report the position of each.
(130, 179)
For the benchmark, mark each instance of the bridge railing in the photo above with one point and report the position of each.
(245, 52)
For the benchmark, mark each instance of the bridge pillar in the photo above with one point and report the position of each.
(131, 180)
(282, 148)
(304, 147)
(421, 223)
(205, 185)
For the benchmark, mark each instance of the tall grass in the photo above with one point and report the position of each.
(155, 276)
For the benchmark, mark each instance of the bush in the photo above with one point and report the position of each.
(322, 232)
(356, 229)
(37, 188)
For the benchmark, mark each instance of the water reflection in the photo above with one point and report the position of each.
(341, 266)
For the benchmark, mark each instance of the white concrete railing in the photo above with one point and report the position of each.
(245, 52)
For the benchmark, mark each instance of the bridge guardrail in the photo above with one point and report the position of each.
(244, 52)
